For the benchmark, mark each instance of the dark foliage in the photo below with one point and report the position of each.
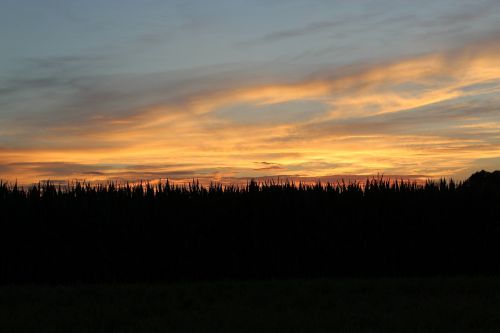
(113, 233)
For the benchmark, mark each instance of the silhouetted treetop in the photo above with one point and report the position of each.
(484, 181)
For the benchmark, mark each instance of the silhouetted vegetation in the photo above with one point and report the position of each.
(109, 233)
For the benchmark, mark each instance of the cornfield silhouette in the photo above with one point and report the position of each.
(140, 233)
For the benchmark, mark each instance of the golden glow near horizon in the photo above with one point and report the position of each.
(370, 124)
(435, 115)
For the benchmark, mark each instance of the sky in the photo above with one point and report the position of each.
(226, 90)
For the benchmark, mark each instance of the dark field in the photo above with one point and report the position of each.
(85, 234)
(461, 304)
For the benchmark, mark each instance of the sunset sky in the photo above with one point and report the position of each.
(234, 89)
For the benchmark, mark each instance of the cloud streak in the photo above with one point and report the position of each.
(434, 114)
(307, 29)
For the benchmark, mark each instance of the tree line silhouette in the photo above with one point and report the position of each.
(110, 233)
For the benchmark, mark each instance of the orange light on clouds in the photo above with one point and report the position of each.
(409, 117)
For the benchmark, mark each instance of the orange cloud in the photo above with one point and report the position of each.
(411, 116)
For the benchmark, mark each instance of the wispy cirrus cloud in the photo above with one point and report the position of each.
(434, 114)
(297, 32)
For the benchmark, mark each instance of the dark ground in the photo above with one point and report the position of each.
(459, 304)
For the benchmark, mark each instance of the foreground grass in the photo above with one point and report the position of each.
(345, 305)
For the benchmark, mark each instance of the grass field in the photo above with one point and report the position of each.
(345, 305)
